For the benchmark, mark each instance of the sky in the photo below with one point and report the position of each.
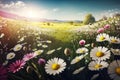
(61, 9)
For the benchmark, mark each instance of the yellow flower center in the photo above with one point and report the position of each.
(77, 59)
(55, 66)
(117, 70)
(117, 51)
(11, 56)
(102, 38)
(99, 54)
(82, 51)
(97, 66)
(18, 48)
(113, 40)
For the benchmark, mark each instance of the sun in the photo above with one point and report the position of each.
(32, 14)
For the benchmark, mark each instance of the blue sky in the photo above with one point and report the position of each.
(69, 9)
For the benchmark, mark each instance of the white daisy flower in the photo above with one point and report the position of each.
(10, 55)
(44, 46)
(100, 53)
(2, 35)
(39, 44)
(5, 63)
(87, 45)
(78, 58)
(97, 65)
(21, 39)
(50, 51)
(35, 49)
(17, 47)
(55, 66)
(114, 40)
(59, 48)
(38, 52)
(82, 50)
(114, 70)
(102, 37)
(48, 41)
(115, 51)
(78, 70)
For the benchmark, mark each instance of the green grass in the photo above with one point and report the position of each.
(62, 31)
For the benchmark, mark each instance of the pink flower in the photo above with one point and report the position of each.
(16, 66)
(41, 61)
(29, 56)
(100, 30)
(3, 73)
(107, 26)
(82, 42)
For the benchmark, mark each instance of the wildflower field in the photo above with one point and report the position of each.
(59, 50)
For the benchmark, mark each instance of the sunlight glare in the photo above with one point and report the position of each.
(32, 12)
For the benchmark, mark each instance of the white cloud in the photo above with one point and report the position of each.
(22, 9)
(55, 10)
(12, 5)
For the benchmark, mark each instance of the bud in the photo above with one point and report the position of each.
(100, 30)
(25, 48)
(41, 61)
(93, 45)
(107, 26)
(82, 42)
(67, 51)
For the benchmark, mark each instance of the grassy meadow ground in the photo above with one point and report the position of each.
(54, 37)
(63, 34)
(63, 31)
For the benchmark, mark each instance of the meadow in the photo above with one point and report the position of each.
(27, 49)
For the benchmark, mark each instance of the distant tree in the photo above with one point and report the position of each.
(71, 22)
(48, 24)
(89, 19)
